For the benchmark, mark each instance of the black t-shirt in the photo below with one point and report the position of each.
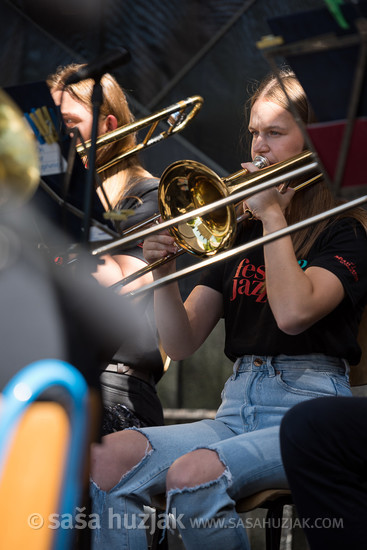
(250, 325)
(143, 199)
(140, 352)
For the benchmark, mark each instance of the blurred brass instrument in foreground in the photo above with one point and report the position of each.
(176, 117)
(19, 162)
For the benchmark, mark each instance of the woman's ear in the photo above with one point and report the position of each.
(111, 123)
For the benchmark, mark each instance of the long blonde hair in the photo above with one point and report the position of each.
(120, 176)
(313, 199)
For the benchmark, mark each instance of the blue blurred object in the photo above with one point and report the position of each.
(23, 390)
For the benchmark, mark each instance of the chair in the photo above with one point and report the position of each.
(272, 500)
(42, 452)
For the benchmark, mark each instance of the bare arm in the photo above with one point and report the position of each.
(113, 269)
(298, 298)
(182, 327)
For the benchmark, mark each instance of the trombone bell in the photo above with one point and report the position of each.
(186, 186)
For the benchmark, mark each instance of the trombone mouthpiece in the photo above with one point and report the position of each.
(260, 161)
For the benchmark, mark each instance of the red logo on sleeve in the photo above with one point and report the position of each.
(349, 265)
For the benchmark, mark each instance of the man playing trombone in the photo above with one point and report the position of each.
(291, 309)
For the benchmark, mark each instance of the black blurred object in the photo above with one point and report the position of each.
(105, 63)
(58, 15)
(95, 70)
(53, 312)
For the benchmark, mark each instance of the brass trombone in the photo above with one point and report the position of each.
(189, 191)
(177, 117)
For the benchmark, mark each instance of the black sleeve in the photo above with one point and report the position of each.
(143, 199)
(343, 251)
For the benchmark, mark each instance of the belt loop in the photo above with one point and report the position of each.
(271, 369)
(347, 367)
(236, 366)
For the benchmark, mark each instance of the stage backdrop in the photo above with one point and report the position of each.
(178, 48)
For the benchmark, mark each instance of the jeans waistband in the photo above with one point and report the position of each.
(315, 361)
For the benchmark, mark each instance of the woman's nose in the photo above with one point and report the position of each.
(260, 145)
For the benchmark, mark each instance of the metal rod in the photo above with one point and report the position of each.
(201, 53)
(354, 101)
(76, 211)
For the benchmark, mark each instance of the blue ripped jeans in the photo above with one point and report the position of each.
(245, 435)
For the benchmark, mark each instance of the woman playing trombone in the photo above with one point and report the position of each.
(128, 382)
(291, 311)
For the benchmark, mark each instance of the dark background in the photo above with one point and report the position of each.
(179, 48)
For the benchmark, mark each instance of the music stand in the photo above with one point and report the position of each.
(61, 194)
(330, 63)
